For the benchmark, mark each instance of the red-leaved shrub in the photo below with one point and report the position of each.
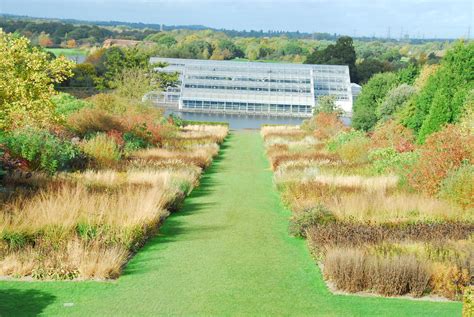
(393, 134)
(442, 152)
(327, 125)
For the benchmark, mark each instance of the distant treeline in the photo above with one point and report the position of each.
(149, 27)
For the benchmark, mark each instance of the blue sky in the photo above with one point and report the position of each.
(429, 18)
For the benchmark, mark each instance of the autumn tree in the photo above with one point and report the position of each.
(44, 40)
(27, 78)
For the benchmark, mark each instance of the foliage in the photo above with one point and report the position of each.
(327, 104)
(91, 120)
(301, 221)
(350, 146)
(134, 142)
(133, 83)
(103, 149)
(458, 186)
(66, 104)
(43, 150)
(84, 75)
(27, 79)
(371, 66)
(388, 160)
(443, 152)
(408, 74)
(326, 125)
(372, 95)
(394, 100)
(442, 98)
(341, 53)
(468, 302)
(392, 134)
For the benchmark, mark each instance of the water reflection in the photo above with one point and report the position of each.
(241, 121)
(237, 121)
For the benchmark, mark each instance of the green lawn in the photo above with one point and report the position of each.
(67, 51)
(227, 252)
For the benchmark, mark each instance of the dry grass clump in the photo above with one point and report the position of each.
(441, 268)
(380, 206)
(74, 260)
(281, 130)
(355, 271)
(276, 159)
(215, 133)
(345, 233)
(200, 156)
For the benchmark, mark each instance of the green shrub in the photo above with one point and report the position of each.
(302, 221)
(17, 240)
(66, 104)
(43, 150)
(134, 142)
(103, 150)
(458, 186)
(394, 100)
(352, 147)
(388, 160)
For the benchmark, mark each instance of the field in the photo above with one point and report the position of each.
(68, 51)
(367, 231)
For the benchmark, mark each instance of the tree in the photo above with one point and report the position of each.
(372, 94)
(71, 43)
(44, 40)
(394, 100)
(341, 53)
(369, 67)
(27, 79)
(442, 97)
(327, 104)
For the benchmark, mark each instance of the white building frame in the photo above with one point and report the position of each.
(276, 89)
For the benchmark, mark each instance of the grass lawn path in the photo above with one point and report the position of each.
(227, 252)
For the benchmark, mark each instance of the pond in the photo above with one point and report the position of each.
(237, 121)
(241, 121)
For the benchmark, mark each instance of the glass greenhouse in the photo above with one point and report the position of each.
(253, 87)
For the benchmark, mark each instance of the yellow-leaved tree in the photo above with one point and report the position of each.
(27, 78)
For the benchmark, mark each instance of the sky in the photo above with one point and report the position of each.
(417, 18)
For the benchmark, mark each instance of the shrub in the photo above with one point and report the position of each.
(394, 100)
(103, 150)
(109, 103)
(373, 93)
(443, 152)
(134, 142)
(43, 150)
(458, 186)
(388, 160)
(66, 104)
(352, 147)
(392, 134)
(87, 121)
(327, 125)
(149, 126)
(468, 302)
(301, 221)
(449, 280)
